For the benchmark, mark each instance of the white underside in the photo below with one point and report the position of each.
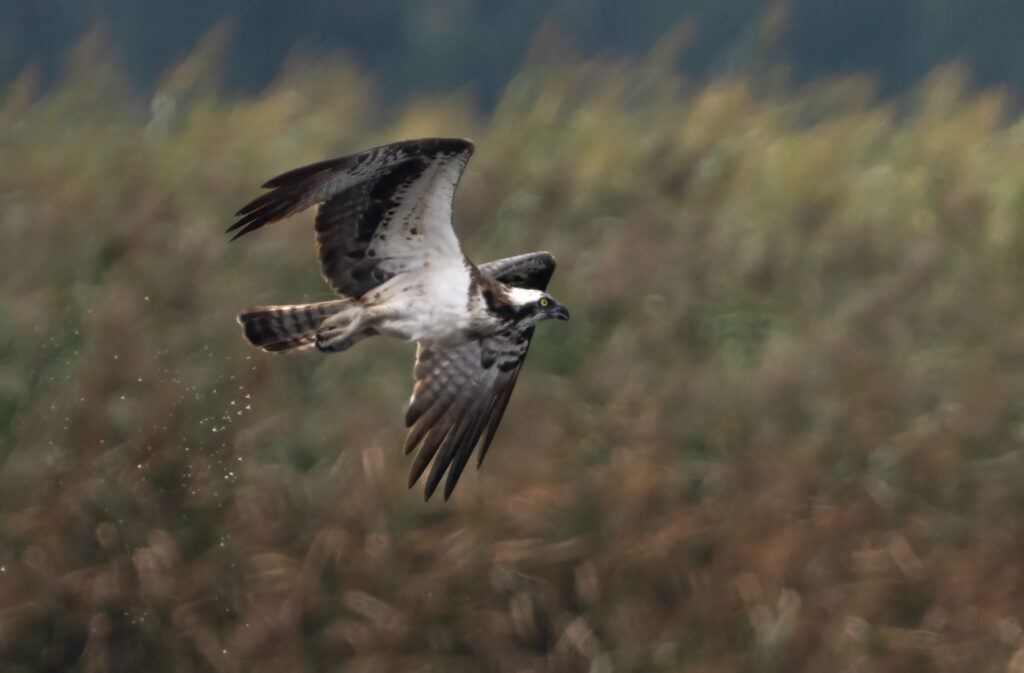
(429, 305)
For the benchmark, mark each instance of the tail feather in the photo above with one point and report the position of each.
(287, 328)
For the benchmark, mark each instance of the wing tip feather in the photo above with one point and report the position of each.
(452, 145)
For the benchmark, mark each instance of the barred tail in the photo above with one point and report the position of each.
(287, 328)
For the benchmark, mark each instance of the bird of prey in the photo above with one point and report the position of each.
(386, 246)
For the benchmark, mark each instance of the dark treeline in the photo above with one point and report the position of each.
(420, 47)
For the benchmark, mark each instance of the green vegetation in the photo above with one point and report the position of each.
(783, 432)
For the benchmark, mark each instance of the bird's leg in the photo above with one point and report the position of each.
(341, 330)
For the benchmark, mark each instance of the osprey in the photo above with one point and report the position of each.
(386, 245)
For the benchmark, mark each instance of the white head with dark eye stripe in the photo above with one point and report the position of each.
(536, 305)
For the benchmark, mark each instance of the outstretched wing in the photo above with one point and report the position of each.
(381, 212)
(456, 400)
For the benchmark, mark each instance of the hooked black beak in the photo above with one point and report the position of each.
(558, 311)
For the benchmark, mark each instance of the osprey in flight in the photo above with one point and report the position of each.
(386, 245)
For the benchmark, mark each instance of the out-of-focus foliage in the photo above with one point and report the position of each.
(783, 432)
(419, 47)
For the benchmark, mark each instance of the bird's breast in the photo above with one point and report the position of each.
(430, 305)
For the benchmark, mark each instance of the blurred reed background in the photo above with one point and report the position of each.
(783, 432)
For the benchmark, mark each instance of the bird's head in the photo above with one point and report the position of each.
(536, 306)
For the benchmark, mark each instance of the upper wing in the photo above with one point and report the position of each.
(532, 270)
(456, 399)
(381, 212)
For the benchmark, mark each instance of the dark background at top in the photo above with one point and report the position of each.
(415, 47)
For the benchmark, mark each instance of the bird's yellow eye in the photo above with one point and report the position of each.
(544, 302)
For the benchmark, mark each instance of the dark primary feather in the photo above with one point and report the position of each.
(301, 174)
(456, 400)
(357, 196)
(532, 270)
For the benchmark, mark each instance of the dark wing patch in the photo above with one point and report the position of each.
(377, 208)
(532, 270)
(461, 393)
(456, 401)
(504, 352)
(346, 224)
